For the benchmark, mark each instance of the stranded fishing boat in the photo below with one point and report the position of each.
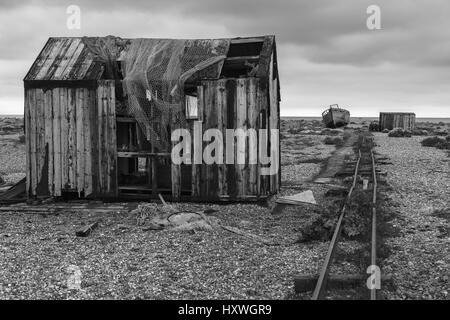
(335, 117)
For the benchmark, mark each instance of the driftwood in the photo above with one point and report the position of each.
(250, 236)
(298, 199)
(86, 230)
(16, 191)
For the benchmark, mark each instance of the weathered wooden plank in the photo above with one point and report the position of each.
(231, 109)
(253, 143)
(89, 105)
(86, 230)
(72, 138)
(211, 122)
(113, 139)
(108, 138)
(221, 105)
(68, 59)
(63, 101)
(263, 124)
(197, 146)
(105, 142)
(39, 63)
(100, 138)
(273, 121)
(79, 140)
(271, 105)
(264, 60)
(56, 142)
(42, 182)
(38, 115)
(48, 123)
(275, 143)
(33, 135)
(53, 52)
(88, 61)
(59, 59)
(175, 176)
(206, 109)
(70, 66)
(112, 149)
(241, 148)
(27, 106)
(104, 147)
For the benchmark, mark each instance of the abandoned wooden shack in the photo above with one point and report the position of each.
(391, 120)
(99, 113)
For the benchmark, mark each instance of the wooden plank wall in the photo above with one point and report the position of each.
(274, 123)
(397, 120)
(106, 150)
(64, 128)
(228, 104)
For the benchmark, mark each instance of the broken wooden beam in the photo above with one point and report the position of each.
(250, 236)
(298, 199)
(242, 58)
(304, 283)
(86, 230)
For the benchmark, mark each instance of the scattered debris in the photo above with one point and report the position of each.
(323, 180)
(250, 236)
(303, 197)
(86, 230)
(17, 191)
(156, 217)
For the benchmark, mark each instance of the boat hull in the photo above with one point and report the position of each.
(336, 118)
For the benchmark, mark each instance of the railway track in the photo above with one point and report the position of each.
(365, 172)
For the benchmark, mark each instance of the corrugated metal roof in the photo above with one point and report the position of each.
(65, 59)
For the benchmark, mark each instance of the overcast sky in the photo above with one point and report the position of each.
(326, 54)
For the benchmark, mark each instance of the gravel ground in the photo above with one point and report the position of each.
(12, 158)
(420, 178)
(302, 157)
(119, 262)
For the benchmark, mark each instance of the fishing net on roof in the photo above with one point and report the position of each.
(156, 71)
(107, 50)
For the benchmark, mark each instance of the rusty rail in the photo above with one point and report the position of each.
(323, 276)
(324, 273)
(373, 256)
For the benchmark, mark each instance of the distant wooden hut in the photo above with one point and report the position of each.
(83, 139)
(391, 120)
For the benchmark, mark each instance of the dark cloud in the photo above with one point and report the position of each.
(323, 45)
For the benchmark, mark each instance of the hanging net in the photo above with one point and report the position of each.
(156, 71)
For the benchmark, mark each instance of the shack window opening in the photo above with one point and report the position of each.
(191, 107)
